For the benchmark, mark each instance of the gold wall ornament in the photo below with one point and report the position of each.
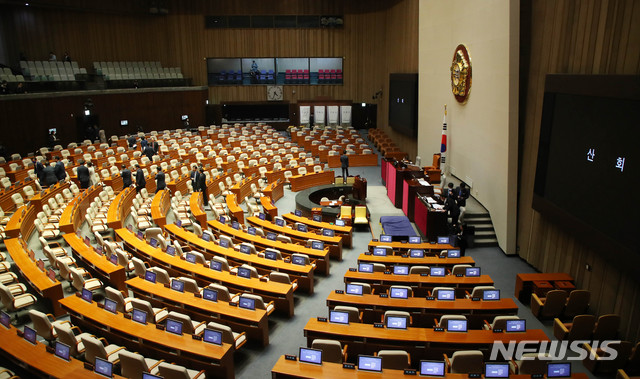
(461, 74)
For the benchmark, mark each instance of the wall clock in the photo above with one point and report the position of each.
(274, 93)
(461, 74)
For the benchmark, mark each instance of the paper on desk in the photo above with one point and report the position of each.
(431, 200)
(423, 182)
(438, 206)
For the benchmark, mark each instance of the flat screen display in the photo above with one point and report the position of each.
(223, 242)
(215, 265)
(339, 222)
(190, 257)
(244, 272)
(235, 225)
(446, 294)
(379, 251)
(310, 356)
(317, 245)
(396, 322)
(251, 230)
(139, 316)
(272, 255)
(400, 270)
(174, 326)
(385, 238)
(153, 242)
(298, 260)
(416, 253)
(212, 336)
(368, 363)
(472, 271)
(262, 216)
(443, 240)
(5, 319)
(103, 367)
(437, 271)
(432, 368)
(279, 222)
(29, 334)
(339, 317)
(110, 305)
(177, 285)
(516, 326)
(318, 218)
(354, 289)
(328, 233)
(271, 236)
(245, 249)
(558, 370)
(298, 212)
(398, 293)
(247, 303)
(207, 237)
(365, 267)
(87, 295)
(62, 351)
(150, 276)
(301, 228)
(415, 239)
(453, 254)
(456, 325)
(491, 295)
(209, 294)
(146, 375)
(171, 250)
(496, 370)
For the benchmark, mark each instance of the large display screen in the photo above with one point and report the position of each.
(403, 103)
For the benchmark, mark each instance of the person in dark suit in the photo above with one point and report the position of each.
(448, 190)
(462, 194)
(49, 175)
(132, 141)
(201, 186)
(451, 206)
(140, 180)
(61, 174)
(160, 180)
(192, 175)
(344, 161)
(143, 143)
(156, 146)
(37, 168)
(83, 175)
(126, 177)
(148, 151)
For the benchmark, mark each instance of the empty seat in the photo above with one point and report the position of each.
(94, 348)
(395, 359)
(606, 327)
(599, 362)
(171, 371)
(581, 328)
(133, 365)
(332, 351)
(228, 335)
(550, 306)
(577, 303)
(44, 324)
(465, 362)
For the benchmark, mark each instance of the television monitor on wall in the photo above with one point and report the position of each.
(588, 158)
(403, 103)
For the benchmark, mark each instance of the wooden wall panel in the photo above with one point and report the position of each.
(576, 37)
(378, 37)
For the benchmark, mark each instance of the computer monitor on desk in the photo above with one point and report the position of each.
(456, 325)
(558, 370)
(62, 351)
(400, 270)
(416, 253)
(379, 251)
(310, 355)
(209, 294)
(491, 295)
(432, 368)
(415, 239)
(515, 326)
(368, 363)
(174, 326)
(365, 267)
(437, 271)
(398, 293)
(496, 370)
(443, 240)
(394, 322)
(448, 294)
(386, 238)
(212, 336)
(339, 317)
(354, 289)
(103, 367)
(177, 285)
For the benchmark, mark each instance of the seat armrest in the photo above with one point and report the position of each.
(155, 365)
(486, 323)
(344, 353)
(560, 330)
(536, 304)
(200, 374)
(447, 363)
(513, 365)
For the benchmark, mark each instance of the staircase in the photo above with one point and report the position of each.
(485, 236)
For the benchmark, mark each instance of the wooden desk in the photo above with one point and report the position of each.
(343, 231)
(304, 274)
(411, 187)
(36, 360)
(217, 361)
(98, 264)
(321, 256)
(38, 200)
(275, 190)
(280, 293)
(524, 283)
(38, 280)
(334, 243)
(423, 311)
(178, 185)
(390, 260)
(120, 207)
(269, 208)
(234, 208)
(73, 214)
(420, 284)
(430, 222)
(114, 182)
(285, 369)
(420, 343)
(21, 222)
(254, 323)
(404, 247)
(6, 203)
(160, 206)
(242, 189)
(300, 182)
(197, 209)
(355, 160)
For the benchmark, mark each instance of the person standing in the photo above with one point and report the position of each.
(156, 146)
(61, 174)
(92, 173)
(148, 151)
(160, 180)
(132, 141)
(49, 175)
(143, 143)
(462, 193)
(344, 161)
(52, 57)
(451, 206)
(140, 180)
(83, 175)
(192, 175)
(126, 177)
(37, 168)
(201, 186)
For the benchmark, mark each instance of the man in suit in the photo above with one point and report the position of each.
(132, 141)
(37, 168)
(192, 175)
(61, 174)
(160, 180)
(83, 175)
(462, 194)
(344, 161)
(156, 146)
(140, 180)
(126, 177)
(48, 175)
(451, 206)
(201, 186)
(148, 151)
(448, 190)
(143, 143)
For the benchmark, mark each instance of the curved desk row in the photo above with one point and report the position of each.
(217, 361)
(304, 274)
(321, 256)
(390, 260)
(274, 190)
(280, 293)
(72, 216)
(120, 207)
(21, 222)
(312, 179)
(343, 231)
(404, 247)
(160, 206)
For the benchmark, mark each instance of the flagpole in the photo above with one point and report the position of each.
(443, 151)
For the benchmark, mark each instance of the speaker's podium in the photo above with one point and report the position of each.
(396, 172)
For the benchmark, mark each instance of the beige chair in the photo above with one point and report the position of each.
(531, 364)
(366, 287)
(393, 313)
(171, 371)
(332, 351)
(444, 320)
(99, 348)
(223, 292)
(379, 267)
(161, 275)
(228, 335)
(459, 269)
(435, 290)
(139, 267)
(132, 365)
(80, 281)
(72, 336)
(44, 324)
(154, 315)
(606, 327)
(499, 322)
(188, 326)
(478, 291)
(577, 304)
(15, 303)
(550, 306)
(395, 359)
(597, 363)
(465, 362)
(259, 302)
(581, 328)
(190, 285)
(360, 218)
(283, 277)
(123, 304)
(417, 270)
